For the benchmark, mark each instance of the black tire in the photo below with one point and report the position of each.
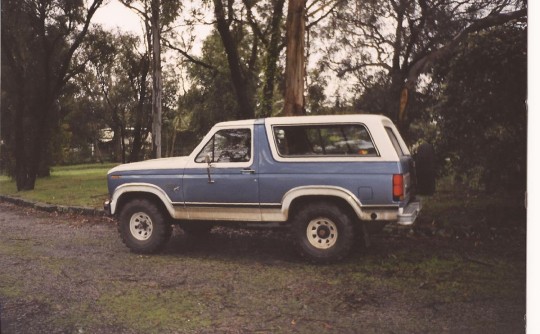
(143, 227)
(199, 229)
(324, 233)
(362, 232)
(425, 169)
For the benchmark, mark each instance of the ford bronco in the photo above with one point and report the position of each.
(326, 177)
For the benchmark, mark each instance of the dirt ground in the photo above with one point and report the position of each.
(71, 274)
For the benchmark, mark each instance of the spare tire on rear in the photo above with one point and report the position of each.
(425, 169)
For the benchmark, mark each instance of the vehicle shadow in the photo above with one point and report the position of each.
(248, 244)
(235, 243)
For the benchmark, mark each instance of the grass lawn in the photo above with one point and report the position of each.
(453, 205)
(79, 185)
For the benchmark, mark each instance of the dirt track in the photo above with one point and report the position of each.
(69, 274)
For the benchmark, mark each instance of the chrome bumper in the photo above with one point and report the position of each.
(408, 214)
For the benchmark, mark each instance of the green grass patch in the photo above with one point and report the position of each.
(79, 185)
(151, 310)
(10, 287)
(456, 205)
(443, 277)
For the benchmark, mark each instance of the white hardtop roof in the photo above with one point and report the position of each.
(308, 119)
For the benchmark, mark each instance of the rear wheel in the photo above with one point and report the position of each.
(324, 233)
(143, 227)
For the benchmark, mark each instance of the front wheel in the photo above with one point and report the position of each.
(324, 232)
(143, 227)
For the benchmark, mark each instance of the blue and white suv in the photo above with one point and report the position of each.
(327, 177)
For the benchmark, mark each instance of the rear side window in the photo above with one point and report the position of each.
(394, 141)
(324, 140)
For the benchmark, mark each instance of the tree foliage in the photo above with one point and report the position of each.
(157, 16)
(57, 98)
(120, 85)
(40, 40)
(391, 42)
(212, 97)
(482, 114)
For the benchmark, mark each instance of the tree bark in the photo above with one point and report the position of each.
(157, 84)
(242, 84)
(138, 133)
(295, 58)
(271, 58)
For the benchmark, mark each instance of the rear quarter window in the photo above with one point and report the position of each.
(395, 141)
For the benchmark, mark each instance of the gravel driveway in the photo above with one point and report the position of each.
(71, 274)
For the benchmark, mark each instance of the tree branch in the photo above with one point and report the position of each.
(425, 63)
(140, 12)
(189, 57)
(323, 16)
(254, 26)
(76, 43)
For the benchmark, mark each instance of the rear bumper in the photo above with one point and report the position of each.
(408, 214)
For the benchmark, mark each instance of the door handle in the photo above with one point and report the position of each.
(247, 171)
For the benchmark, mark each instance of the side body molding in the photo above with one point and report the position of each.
(141, 188)
(279, 212)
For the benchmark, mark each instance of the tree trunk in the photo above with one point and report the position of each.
(242, 84)
(173, 143)
(97, 151)
(24, 178)
(271, 58)
(157, 85)
(138, 133)
(397, 112)
(295, 59)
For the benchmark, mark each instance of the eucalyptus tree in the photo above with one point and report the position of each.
(392, 42)
(295, 60)
(212, 96)
(256, 77)
(244, 25)
(272, 38)
(303, 18)
(231, 34)
(269, 37)
(157, 16)
(118, 82)
(40, 41)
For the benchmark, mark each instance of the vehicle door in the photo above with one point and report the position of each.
(221, 180)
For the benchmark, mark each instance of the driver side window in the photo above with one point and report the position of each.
(229, 145)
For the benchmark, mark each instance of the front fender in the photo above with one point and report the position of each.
(141, 188)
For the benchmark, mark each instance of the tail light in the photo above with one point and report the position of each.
(398, 187)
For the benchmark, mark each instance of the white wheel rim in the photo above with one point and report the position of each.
(322, 233)
(140, 226)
